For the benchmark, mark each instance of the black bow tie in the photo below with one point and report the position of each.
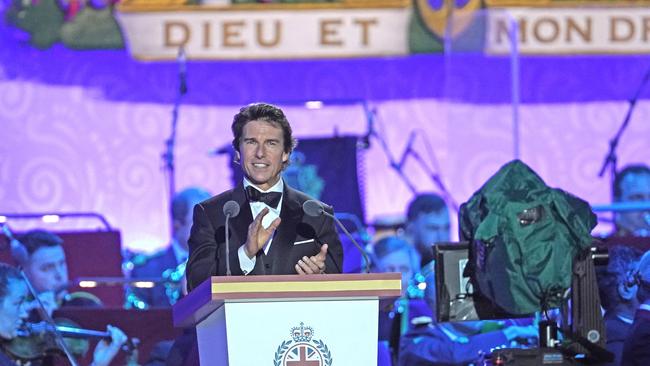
(272, 199)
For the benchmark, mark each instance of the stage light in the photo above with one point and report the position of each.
(3, 219)
(314, 104)
(144, 284)
(50, 219)
(87, 284)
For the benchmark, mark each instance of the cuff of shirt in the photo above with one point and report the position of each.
(246, 264)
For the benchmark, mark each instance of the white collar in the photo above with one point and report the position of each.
(277, 187)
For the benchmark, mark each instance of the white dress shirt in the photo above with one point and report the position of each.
(247, 264)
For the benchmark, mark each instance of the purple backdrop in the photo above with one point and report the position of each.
(83, 131)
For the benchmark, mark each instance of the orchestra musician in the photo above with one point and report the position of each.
(14, 308)
(44, 262)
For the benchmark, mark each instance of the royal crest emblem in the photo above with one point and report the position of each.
(436, 15)
(302, 349)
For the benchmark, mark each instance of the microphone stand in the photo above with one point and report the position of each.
(168, 155)
(228, 272)
(361, 250)
(611, 158)
(391, 161)
(398, 168)
(436, 179)
(364, 142)
(363, 233)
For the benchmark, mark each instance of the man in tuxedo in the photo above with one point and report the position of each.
(271, 234)
(635, 348)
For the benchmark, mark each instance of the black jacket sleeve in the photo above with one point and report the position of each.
(203, 249)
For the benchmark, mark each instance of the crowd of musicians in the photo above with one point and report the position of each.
(263, 234)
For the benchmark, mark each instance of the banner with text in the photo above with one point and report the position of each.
(571, 30)
(267, 34)
(284, 29)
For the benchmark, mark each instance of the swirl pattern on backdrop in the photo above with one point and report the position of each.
(85, 131)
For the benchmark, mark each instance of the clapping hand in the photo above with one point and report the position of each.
(258, 235)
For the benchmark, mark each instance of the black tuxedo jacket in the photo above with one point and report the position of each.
(208, 236)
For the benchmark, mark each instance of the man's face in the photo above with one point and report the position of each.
(47, 269)
(13, 308)
(635, 188)
(430, 228)
(399, 261)
(262, 153)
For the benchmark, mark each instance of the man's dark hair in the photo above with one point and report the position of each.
(392, 244)
(35, 239)
(425, 203)
(182, 200)
(7, 273)
(262, 112)
(627, 170)
(622, 262)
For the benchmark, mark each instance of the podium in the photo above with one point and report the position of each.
(292, 320)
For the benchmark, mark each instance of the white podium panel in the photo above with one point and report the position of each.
(287, 333)
(291, 320)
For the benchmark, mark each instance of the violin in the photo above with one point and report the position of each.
(38, 340)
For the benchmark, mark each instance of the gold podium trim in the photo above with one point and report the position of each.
(217, 290)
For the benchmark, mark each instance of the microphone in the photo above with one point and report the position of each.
(230, 209)
(18, 251)
(182, 71)
(315, 209)
(409, 144)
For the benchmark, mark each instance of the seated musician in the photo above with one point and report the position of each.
(394, 254)
(45, 265)
(13, 312)
(632, 184)
(169, 260)
(618, 297)
(635, 346)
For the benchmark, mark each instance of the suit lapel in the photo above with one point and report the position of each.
(285, 235)
(245, 216)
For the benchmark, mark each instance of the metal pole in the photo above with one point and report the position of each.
(514, 85)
